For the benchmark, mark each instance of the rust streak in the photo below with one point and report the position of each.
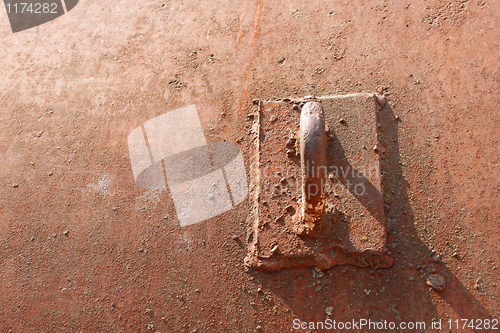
(258, 7)
(242, 18)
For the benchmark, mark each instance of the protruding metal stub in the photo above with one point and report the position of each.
(313, 167)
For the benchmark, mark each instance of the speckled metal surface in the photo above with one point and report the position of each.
(84, 249)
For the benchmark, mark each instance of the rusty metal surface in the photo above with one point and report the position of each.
(84, 249)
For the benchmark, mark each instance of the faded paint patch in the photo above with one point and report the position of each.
(148, 199)
(102, 187)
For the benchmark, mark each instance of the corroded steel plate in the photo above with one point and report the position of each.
(354, 228)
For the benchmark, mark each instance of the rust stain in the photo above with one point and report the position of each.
(242, 18)
(258, 7)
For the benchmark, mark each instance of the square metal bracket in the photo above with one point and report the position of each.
(353, 228)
